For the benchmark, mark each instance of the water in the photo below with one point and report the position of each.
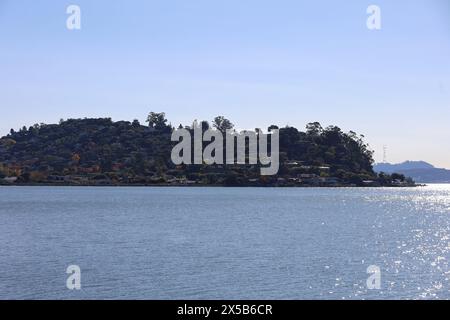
(224, 243)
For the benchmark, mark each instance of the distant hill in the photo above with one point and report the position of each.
(407, 165)
(420, 171)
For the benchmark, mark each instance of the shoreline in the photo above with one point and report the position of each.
(205, 185)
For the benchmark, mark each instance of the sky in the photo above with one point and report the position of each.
(257, 62)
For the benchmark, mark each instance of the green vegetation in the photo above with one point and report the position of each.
(103, 152)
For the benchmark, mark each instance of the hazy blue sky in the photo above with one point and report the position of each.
(256, 62)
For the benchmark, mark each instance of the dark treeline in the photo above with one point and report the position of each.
(103, 152)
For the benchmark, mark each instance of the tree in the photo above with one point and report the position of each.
(157, 120)
(398, 176)
(76, 158)
(204, 125)
(136, 123)
(314, 129)
(222, 124)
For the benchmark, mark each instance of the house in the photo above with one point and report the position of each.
(117, 166)
(307, 176)
(171, 180)
(398, 182)
(55, 178)
(369, 182)
(329, 180)
(10, 179)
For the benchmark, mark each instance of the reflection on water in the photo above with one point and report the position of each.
(225, 243)
(421, 250)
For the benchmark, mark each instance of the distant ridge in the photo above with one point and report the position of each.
(420, 171)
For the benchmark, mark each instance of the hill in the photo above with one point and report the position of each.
(420, 171)
(407, 165)
(104, 152)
